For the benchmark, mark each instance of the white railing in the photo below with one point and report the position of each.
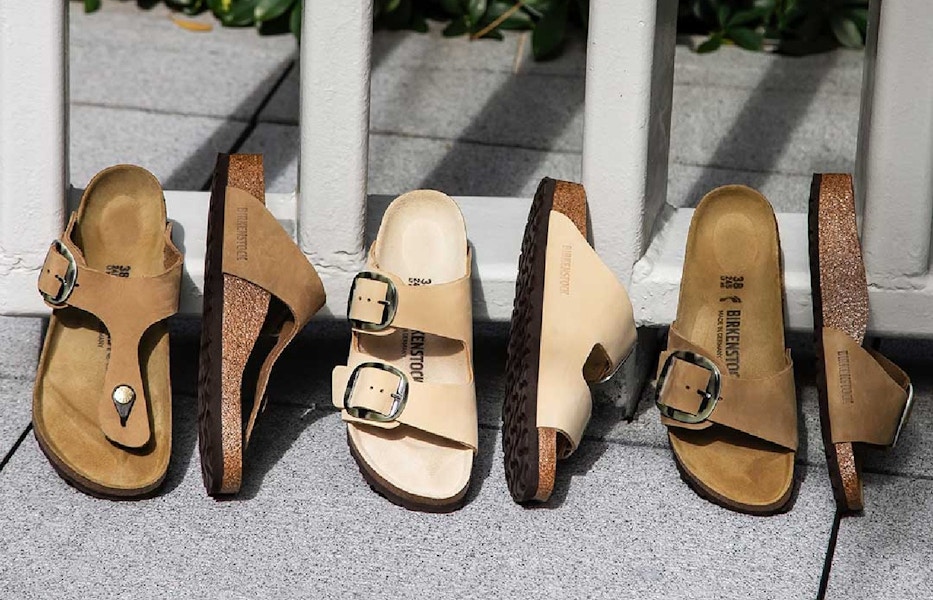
(629, 80)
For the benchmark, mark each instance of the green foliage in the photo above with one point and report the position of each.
(798, 26)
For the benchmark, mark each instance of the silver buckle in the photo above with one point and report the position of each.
(399, 398)
(710, 395)
(389, 304)
(905, 414)
(68, 281)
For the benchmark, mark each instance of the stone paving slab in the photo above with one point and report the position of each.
(15, 411)
(20, 343)
(838, 72)
(885, 553)
(126, 57)
(307, 524)
(180, 150)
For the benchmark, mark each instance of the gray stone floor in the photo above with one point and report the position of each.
(469, 118)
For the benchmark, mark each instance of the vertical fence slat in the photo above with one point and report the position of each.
(335, 71)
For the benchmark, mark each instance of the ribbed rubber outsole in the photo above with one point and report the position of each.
(519, 429)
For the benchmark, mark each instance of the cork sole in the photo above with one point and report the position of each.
(531, 452)
(832, 307)
(233, 315)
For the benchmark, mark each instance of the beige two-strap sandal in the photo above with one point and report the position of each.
(102, 405)
(725, 387)
(865, 399)
(256, 280)
(571, 326)
(407, 393)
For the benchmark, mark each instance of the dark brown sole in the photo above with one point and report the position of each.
(90, 488)
(232, 317)
(839, 457)
(531, 452)
(401, 497)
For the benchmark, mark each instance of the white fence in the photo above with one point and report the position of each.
(629, 80)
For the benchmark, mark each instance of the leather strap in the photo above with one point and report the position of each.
(867, 392)
(765, 408)
(259, 250)
(445, 410)
(433, 309)
(128, 307)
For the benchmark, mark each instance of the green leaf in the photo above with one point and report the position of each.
(722, 15)
(457, 27)
(91, 5)
(391, 5)
(710, 45)
(237, 13)
(266, 10)
(477, 8)
(745, 37)
(847, 32)
(518, 20)
(548, 35)
(859, 16)
(294, 20)
(744, 17)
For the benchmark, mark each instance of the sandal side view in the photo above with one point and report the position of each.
(102, 405)
(256, 279)
(865, 399)
(572, 325)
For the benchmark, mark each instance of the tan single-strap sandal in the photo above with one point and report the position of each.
(571, 325)
(407, 392)
(102, 405)
(255, 279)
(864, 398)
(725, 386)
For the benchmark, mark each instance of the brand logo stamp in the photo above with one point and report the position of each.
(566, 262)
(242, 225)
(845, 376)
(729, 339)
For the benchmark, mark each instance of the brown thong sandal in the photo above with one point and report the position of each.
(726, 383)
(864, 398)
(407, 392)
(102, 405)
(571, 325)
(255, 279)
